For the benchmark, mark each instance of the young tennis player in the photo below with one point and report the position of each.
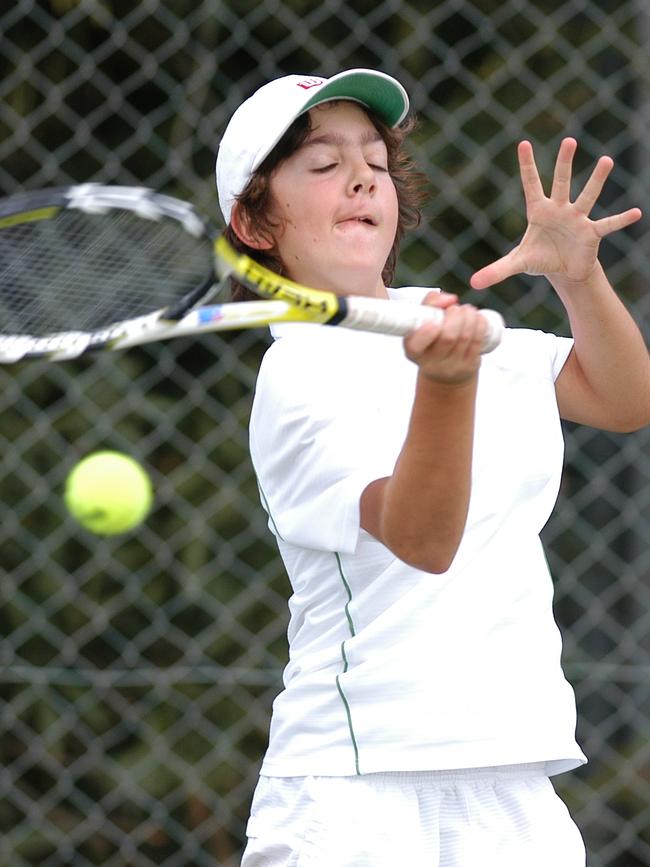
(424, 707)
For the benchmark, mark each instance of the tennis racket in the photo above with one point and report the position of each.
(91, 267)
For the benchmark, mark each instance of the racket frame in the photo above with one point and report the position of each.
(288, 301)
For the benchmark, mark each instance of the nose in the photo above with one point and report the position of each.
(362, 177)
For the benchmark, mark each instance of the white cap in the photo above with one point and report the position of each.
(260, 122)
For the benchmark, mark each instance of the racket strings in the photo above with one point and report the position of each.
(84, 272)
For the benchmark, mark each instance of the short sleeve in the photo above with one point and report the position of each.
(559, 350)
(541, 352)
(313, 449)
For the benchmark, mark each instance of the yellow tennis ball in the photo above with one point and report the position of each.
(108, 493)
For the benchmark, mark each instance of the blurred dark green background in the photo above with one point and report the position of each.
(137, 673)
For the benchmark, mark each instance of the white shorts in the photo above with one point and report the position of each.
(487, 817)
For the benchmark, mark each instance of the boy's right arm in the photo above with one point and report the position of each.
(420, 511)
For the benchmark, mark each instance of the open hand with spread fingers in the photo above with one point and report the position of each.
(561, 241)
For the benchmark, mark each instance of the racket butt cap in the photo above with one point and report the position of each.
(496, 327)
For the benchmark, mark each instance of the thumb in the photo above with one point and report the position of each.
(440, 299)
(495, 272)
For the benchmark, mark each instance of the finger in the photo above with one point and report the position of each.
(594, 186)
(442, 300)
(454, 325)
(420, 340)
(456, 333)
(561, 188)
(474, 327)
(444, 335)
(616, 222)
(532, 185)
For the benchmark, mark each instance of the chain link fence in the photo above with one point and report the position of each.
(137, 672)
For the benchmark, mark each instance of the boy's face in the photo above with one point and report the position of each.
(336, 204)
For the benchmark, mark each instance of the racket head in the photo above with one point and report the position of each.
(77, 262)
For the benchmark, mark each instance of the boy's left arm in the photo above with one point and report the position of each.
(605, 382)
(606, 379)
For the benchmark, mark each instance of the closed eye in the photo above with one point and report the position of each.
(320, 170)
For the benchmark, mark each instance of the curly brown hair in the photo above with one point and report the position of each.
(255, 201)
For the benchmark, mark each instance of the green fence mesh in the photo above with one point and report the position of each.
(137, 673)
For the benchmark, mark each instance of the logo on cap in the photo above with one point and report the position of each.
(306, 83)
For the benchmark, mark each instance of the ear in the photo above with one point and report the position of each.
(241, 226)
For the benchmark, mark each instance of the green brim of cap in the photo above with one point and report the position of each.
(379, 93)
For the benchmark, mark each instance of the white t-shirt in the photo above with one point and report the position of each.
(392, 668)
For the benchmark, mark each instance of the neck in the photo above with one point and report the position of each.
(347, 285)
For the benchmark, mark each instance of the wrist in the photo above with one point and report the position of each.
(436, 385)
(564, 284)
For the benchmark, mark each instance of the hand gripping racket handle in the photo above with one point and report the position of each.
(402, 317)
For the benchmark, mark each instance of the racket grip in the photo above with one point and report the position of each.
(401, 318)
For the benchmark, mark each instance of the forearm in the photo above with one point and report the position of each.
(608, 381)
(421, 510)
